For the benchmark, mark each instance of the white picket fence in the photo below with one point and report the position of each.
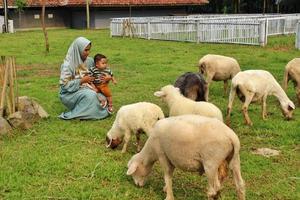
(297, 43)
(251, 29)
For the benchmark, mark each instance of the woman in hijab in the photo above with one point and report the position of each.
(82, 101)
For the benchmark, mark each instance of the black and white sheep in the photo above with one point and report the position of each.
(192, 85)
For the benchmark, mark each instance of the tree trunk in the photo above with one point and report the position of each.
(44, 26)
(264, 7)
(20, 18)
(87, 14)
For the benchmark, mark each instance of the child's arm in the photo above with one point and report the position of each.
(113, 80)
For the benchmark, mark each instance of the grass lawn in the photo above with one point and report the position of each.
(59, 159)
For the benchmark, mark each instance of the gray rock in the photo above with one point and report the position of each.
(4, 126)
(28, 105)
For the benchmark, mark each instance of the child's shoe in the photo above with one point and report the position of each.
(110, 109)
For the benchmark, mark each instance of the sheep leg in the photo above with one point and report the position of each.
(225, 87)
(138, 141)
(238, 180)
(126, 140)
(264, 107)
(208, 81)
(214, 185)
(248, 99)
(168, 169)
(230, 102)
(298, 92)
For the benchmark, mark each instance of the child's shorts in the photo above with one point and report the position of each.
(104, 89)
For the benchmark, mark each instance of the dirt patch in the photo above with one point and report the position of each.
(280, 48)
(38, 70)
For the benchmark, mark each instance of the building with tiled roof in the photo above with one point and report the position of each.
(108, 3)
(72, 13)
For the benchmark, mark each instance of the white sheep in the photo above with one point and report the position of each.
(133, 118)
(256, 85)
(180, 105)
(218, 68)
(191, 143)
(292, 72)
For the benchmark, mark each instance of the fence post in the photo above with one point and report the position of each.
(198, 31)
(297, 43)
(148, 30)
(262, 32)
(284, 23)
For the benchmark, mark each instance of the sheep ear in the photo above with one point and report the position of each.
(159, 94)
(291, 106)
(131, 168)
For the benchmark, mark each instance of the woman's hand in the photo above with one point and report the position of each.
(86, 79)
(105, 78)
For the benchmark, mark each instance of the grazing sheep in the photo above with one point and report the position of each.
(292, 72)
(134, 118)
(180, 105)
(192, 85)
(218, 68)
(190, 143)
(255, 85)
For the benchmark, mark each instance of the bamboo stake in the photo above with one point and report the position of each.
(3, 91)
(11, 85)
(16, 84)
(8, 104)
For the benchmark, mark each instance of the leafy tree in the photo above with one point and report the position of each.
(20, 4)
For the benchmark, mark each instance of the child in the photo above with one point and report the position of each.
(101, 69)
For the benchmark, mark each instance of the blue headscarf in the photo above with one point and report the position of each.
(73, 59)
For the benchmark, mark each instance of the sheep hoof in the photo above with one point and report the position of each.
(165, 189)
(249, 123)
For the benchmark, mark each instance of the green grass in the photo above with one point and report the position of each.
(59, 159)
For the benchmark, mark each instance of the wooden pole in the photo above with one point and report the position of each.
(3, 92)
(44, 26)
(11, 86)
(1, 71)
(16, 84)
(88, 14)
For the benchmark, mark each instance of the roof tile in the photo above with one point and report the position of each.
(109, 3)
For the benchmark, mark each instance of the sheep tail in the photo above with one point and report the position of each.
(285, 79)
(202, 67)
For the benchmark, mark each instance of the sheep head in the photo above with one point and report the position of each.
(287, 110)
(113, 143)
(138, 170)
(166, 91)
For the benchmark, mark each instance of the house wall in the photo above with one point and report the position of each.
(66, 17)
(101, 17)
(31, 18)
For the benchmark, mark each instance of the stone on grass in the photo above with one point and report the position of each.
(28, 105)
(266, 152)
(29, 111)
(4, 126)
